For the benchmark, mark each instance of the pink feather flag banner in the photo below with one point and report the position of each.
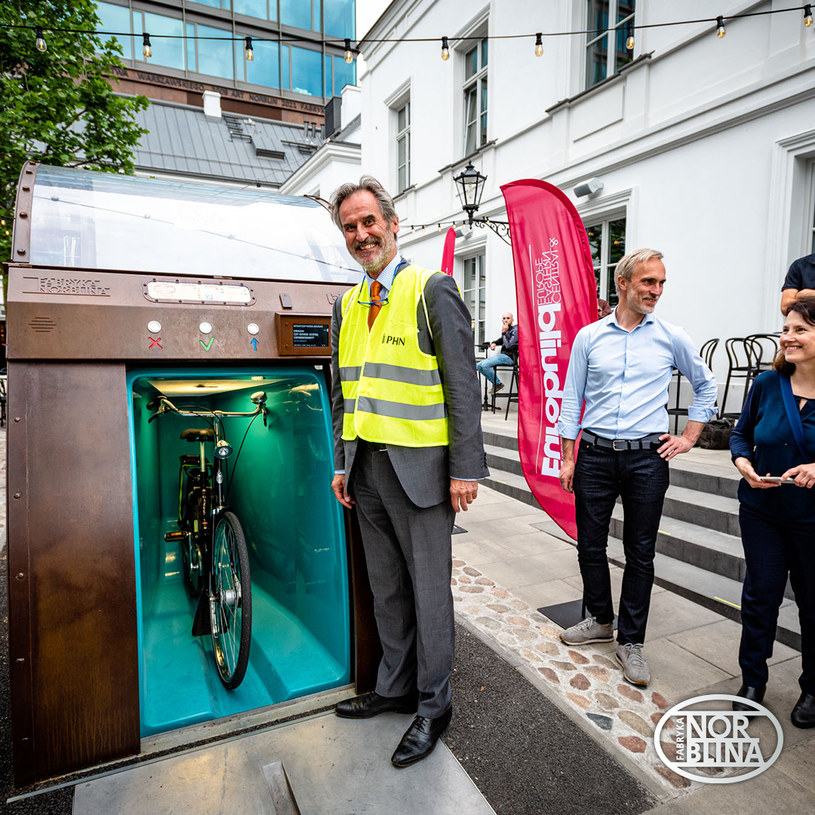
(557, 296)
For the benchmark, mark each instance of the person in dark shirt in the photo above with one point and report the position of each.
(508, 356)
(799, 282)
(773, 447)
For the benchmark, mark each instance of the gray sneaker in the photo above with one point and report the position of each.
(589, 630)
(497, 387)
(635, 668)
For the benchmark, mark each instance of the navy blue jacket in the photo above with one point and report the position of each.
(764, 436)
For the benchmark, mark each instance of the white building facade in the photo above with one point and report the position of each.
(704, 145)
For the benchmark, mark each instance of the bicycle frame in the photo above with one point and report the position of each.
(216, 560)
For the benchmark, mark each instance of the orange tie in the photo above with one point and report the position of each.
(376, 304)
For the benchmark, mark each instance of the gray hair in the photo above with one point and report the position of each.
(627, 264)
(366, 184)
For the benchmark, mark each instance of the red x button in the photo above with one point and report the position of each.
(155, 342)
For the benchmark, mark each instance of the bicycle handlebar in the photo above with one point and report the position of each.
(166, 406)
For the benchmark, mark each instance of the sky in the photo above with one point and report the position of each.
(368, 12)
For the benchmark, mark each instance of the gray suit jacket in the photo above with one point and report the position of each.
(425, 472)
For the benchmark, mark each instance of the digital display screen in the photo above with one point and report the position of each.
(309, 335)
(176, 291)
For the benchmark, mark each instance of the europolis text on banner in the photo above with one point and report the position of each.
(556, 292)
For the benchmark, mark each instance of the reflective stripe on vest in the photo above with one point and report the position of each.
(392, 390)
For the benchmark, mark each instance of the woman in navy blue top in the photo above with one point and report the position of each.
(777, 508)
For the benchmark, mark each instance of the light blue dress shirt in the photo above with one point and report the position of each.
(623, 376)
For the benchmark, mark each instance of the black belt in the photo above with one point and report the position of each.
(373, 446)
(650, 442)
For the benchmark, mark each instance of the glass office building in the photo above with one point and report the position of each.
(298, 44)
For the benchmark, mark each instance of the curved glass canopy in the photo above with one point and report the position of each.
(118, 222)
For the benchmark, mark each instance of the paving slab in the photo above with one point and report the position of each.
(334, 767)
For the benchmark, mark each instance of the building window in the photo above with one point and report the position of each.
(403, 147)
(475, 97)
(607, 242)
(608, 27)
(474, 293)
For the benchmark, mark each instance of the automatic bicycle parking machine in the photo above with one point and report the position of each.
(123, 290)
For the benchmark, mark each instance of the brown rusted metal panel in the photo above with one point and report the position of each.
(72, 592)
(367, 648)
(21, 237)
(87, 314)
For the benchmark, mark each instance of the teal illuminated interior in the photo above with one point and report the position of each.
(280, 490)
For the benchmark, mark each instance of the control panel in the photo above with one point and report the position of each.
(120, 315)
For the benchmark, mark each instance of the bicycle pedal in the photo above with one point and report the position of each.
(174, 536)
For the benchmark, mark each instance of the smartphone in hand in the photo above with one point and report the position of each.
(775, 479)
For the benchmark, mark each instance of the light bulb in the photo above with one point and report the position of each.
(720, 32)
(808, 15)
(538, 45)
(349, 54)
(147, 49)
(40, 42)
(248, 51)
(445, 49)
(629, 42)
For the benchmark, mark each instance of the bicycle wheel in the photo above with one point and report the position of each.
(230, 602)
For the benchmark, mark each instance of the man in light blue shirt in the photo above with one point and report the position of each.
(621, 366)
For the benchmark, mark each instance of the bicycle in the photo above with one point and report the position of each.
(213, 550)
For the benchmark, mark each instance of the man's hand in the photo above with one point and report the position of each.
(566, 475)
(492, 346)
(462, 493)
(673, 446)
(338, 485)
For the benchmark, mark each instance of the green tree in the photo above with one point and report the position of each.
(57, 106)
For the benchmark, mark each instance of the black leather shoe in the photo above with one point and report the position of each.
(753, 694)
(420, 739)
(803, 714)
(372, 704)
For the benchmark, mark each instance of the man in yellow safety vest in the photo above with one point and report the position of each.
(408, 455)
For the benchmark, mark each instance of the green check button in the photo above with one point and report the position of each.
(208, 344)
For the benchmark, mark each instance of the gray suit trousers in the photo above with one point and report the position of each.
(408, 551)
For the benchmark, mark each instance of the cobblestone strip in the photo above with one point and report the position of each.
(585, 678)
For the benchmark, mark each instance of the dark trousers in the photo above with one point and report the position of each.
(773, 549)
(408, 552)
(640, 479)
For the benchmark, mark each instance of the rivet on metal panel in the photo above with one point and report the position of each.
(16, 418)
(21, 251)
(25, 738)
(20, 659)
(20, 576)
(23, 215)
(17, 495)
(26, 189)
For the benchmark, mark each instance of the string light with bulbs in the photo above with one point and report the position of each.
(351, 52)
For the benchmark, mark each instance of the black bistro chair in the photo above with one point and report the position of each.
(510, 394)
(768, 346)
(743, 362)
(706, 352)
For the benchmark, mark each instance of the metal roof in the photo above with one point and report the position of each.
(182, 140)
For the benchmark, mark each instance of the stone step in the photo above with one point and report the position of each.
(713, 591)
(716, 512)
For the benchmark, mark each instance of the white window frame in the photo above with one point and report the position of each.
(403, 138)
(610, 33)
(476, 87)
(476, 295)
(791, 213)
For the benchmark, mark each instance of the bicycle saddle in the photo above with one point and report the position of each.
(197, 433)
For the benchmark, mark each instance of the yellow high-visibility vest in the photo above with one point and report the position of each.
(392, 390)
